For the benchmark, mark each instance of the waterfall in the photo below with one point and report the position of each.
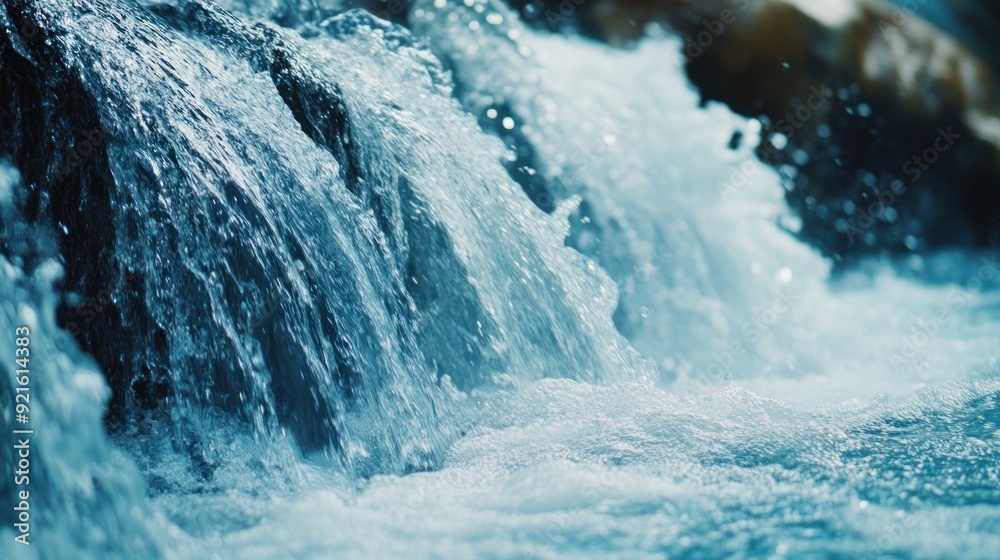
(462, 289)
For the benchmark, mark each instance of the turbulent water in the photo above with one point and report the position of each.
(462, 290)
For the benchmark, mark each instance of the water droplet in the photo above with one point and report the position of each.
(779, 140)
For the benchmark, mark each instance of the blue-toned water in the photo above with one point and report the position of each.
(333, 325)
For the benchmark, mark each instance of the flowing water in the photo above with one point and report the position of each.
(463, 290)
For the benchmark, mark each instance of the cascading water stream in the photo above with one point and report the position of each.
(323, 277)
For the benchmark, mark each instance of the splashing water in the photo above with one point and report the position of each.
(340, 284)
